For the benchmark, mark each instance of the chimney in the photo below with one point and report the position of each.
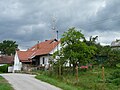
(38, 45)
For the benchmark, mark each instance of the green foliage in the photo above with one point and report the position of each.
(118, 65)
(4, 69)
(102, 54)
(8, 47)
(89, 80)
(114, 57)
(55, 81)
(114, 77)
(74, 49)
(92, 41)
(4, 85)
(105, 55)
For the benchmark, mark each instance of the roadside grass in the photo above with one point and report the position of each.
(57, 82)
(89, 80)
(4, 85)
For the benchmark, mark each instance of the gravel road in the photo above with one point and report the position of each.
(27, 82)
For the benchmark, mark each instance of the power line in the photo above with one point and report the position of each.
(105, 19)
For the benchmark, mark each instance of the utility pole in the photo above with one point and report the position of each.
(56, 37)
(58, 54)
(53, 26)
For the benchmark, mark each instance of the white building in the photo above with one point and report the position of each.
(38, 55)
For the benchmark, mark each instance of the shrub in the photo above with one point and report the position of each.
(4, 69)
(118, 65)
(114, 77)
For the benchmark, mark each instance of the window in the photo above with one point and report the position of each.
(43, 60)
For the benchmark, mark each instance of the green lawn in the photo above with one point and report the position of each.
(89, 80)
(4, 85)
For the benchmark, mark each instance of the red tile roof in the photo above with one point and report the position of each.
(44, 47)
(24, 56)
(6, 59)
(41, 48)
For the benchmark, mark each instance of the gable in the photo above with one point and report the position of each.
(24, 56)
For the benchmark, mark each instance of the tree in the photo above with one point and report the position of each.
(105, 55)
(75, 49)
(102, 54)
(114, 57)
(8, 47)
(92, 41)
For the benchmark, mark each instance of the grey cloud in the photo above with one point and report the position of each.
(28, 21)
(108, 17)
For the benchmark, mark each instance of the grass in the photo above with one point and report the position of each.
(4, 85)
(57, 82)
(89, 80)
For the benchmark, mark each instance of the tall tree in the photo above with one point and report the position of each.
(92, 41)
(8, 47)
(74, 49)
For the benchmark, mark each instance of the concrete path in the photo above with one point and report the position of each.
(27, 82)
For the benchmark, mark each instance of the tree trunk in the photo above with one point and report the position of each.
(74, 65)
(76, 73)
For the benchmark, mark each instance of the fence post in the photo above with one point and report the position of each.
(103, 73)
(76, 72)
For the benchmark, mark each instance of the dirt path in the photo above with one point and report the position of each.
(27, 82)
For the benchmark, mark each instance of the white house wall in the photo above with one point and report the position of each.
(55, 49)
(17, 64)
(46, 58)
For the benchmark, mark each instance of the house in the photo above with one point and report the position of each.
(6, 60)
(115, 45)
(21, 59)
(38, 55)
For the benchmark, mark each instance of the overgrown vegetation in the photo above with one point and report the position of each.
(83, 64)
(73, 50)
(87, 80)
(4, 69)
(4, 85)
(114, 77)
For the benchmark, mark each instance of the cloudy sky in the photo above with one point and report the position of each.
(29, 21)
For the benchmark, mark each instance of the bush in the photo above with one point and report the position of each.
(4, 69)
(114, 77)
(118, 65)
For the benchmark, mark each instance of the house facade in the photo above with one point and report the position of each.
(38, 55)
